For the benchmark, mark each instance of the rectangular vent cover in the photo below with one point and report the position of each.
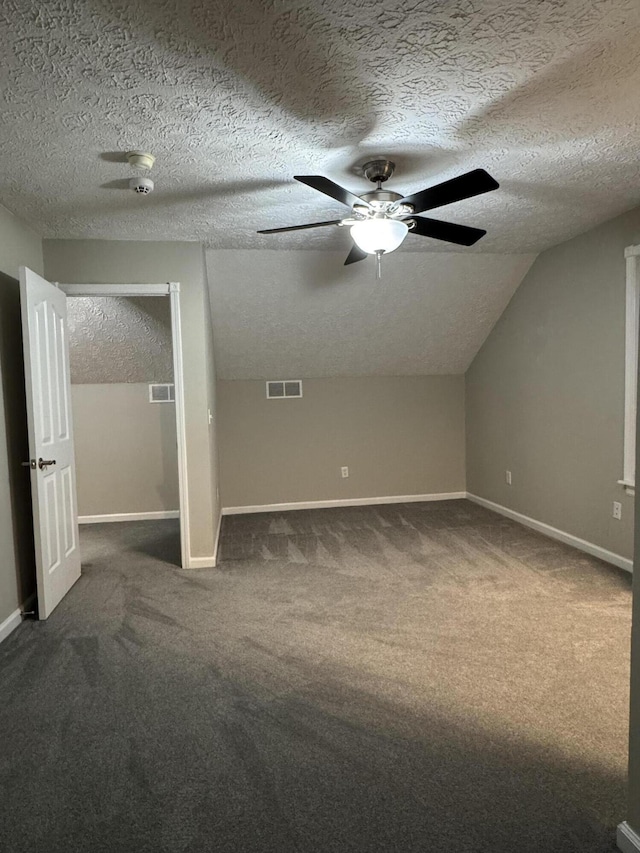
(281, 389)
(161, 393)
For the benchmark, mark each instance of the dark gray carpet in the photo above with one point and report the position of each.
(420, 677)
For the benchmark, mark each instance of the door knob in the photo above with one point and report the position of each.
(41, 463)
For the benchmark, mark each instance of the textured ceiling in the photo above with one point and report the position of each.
(116, 339)
(294, 315)
(236, 96)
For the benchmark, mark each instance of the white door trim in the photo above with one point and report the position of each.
(172, 290)
(181, 426)
(115, 289)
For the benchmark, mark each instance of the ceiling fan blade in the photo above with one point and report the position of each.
(464, 186)
(300, 227)
(463, 235)
(356, 254)
(324, 185)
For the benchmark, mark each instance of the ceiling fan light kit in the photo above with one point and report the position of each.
(381, 219)
(379, 235)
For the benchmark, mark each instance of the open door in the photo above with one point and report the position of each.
(52, 464)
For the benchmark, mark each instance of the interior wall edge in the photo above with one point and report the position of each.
(216, 544)
(130, 262)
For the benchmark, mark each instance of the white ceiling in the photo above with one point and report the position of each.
(292, 315)
(236, 96)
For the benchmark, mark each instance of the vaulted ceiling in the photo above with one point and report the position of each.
(291, 315)
(234, 97)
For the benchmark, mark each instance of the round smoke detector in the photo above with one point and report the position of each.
(140, 160)
(144, 186)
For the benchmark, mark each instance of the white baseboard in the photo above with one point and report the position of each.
(201, 562)
(554, 533)
(11, 622)
(128, 516)
(393, 499)
(207, 562)
(627, 839)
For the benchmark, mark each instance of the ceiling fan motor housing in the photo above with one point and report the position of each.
(378, 171)
(381, 196)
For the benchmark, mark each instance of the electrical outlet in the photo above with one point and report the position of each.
(617, 509)
(507, 477)
(344, 471)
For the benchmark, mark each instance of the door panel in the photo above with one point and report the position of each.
(53, 485)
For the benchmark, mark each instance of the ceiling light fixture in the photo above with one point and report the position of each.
(379, 235)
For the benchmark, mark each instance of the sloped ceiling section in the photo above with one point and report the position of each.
(289, 314)
(236, 96)
(118, 339)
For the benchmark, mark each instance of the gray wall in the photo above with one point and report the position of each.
(125, 448)
(18, 245)
(129, 262)
(397, 435)
(545, 394)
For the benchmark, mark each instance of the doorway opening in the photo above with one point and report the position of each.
(127, 397)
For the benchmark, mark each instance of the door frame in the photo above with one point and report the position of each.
(172, 290)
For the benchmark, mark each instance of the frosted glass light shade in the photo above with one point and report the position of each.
(378, 235)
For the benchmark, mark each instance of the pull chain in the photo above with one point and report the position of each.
(379, 255)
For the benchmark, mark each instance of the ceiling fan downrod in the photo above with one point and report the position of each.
(378, 171)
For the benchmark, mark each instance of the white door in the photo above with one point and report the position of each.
(53, 476)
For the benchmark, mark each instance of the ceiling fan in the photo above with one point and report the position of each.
(381, 219)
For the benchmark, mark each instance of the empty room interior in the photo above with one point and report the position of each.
(318, 389)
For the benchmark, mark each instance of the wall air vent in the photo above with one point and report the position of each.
(284, 389)
(161, 393)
